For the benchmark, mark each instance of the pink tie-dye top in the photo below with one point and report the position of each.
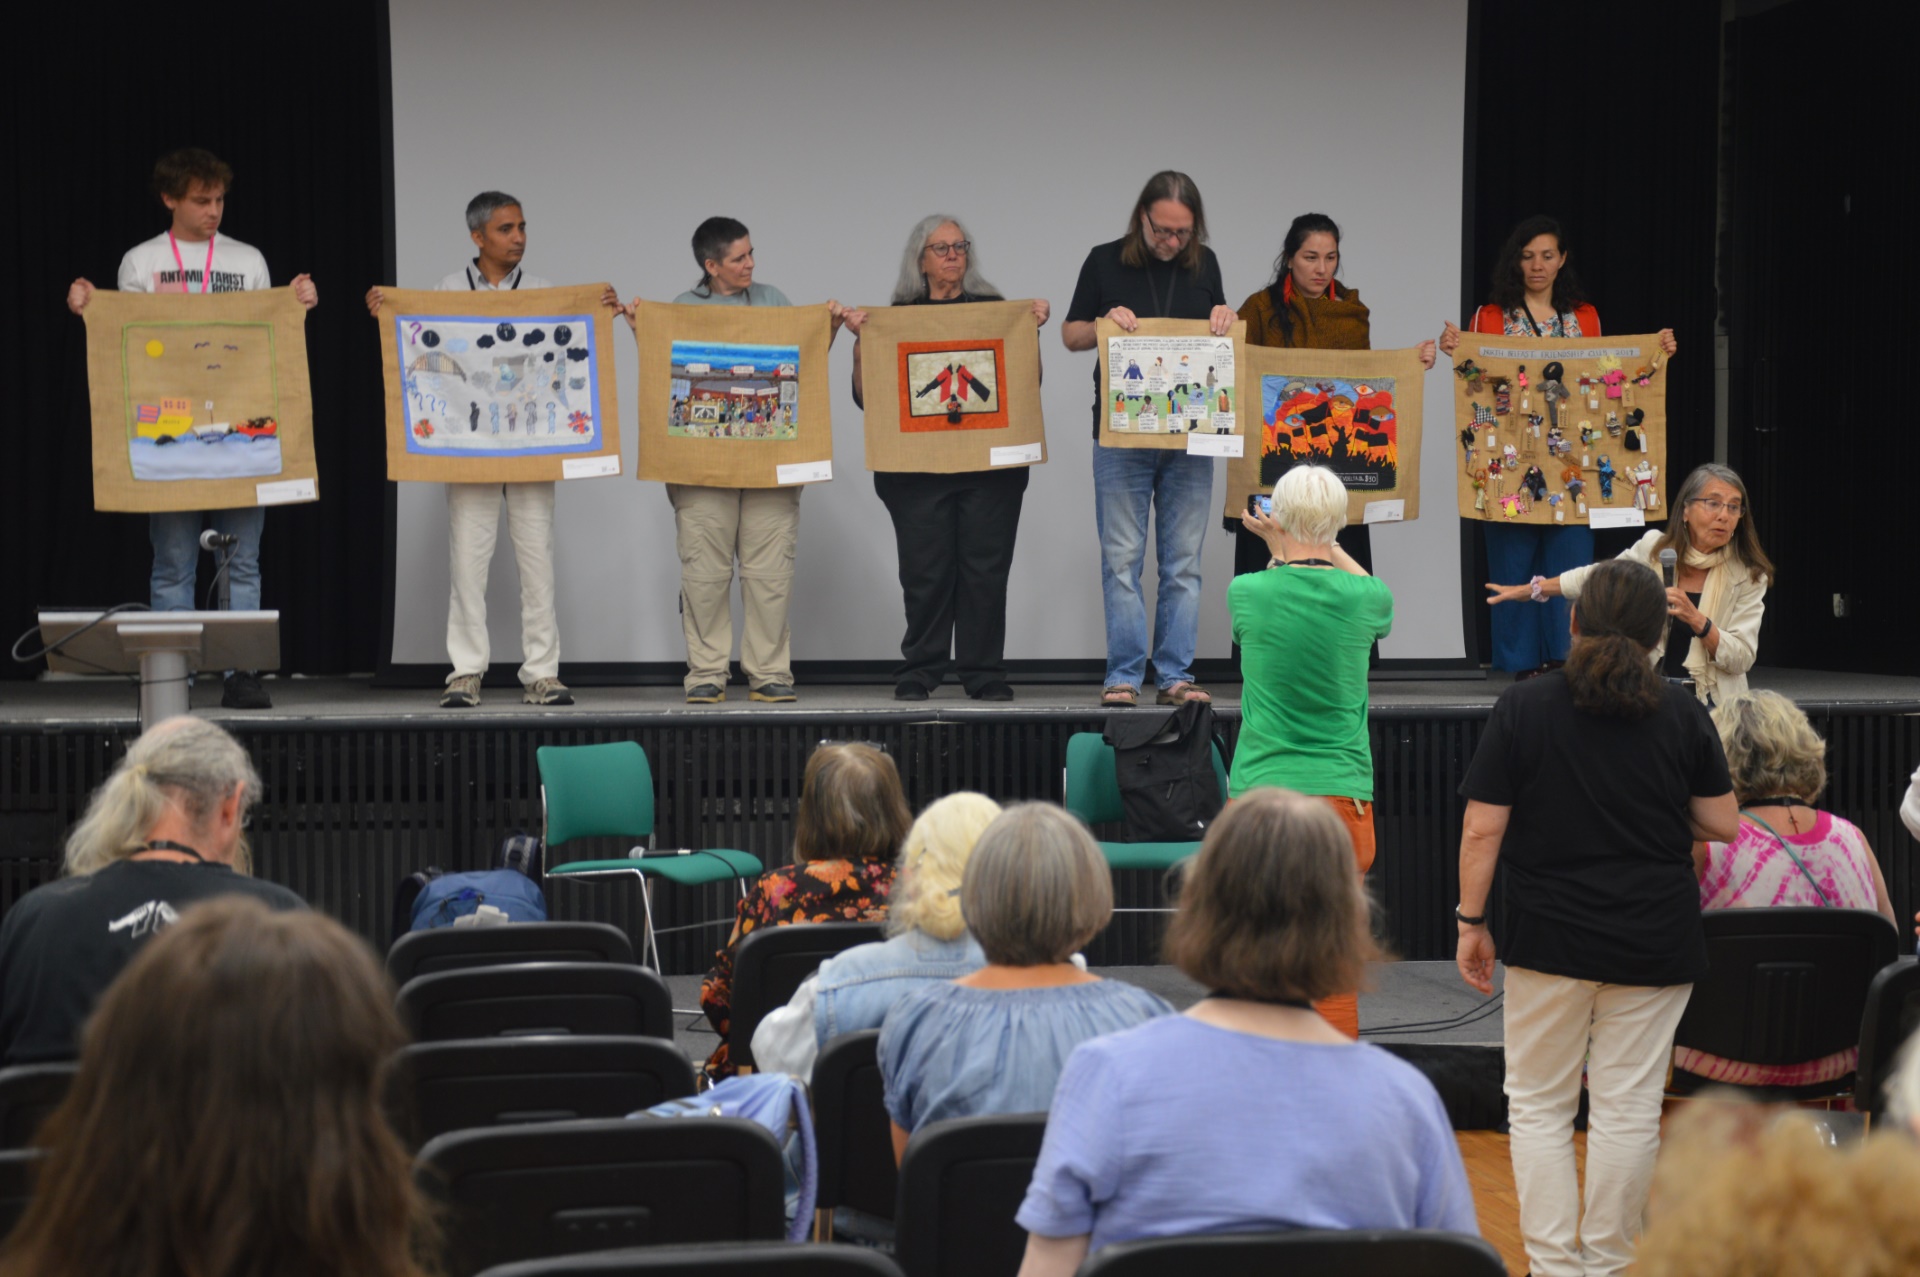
(1755, 872)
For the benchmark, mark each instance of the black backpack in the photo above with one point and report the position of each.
(1164, 763)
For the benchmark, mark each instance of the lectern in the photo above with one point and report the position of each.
(163, 647)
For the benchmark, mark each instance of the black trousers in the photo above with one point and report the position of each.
(955, 536)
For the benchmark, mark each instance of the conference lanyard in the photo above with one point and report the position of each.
(473, 287)
(206, 276)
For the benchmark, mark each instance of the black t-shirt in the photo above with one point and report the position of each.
(1158, 290)
(62, 944)
(1598, 853)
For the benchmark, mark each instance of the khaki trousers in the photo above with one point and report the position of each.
(712, 527)
(473, 524)
(1623, 1035)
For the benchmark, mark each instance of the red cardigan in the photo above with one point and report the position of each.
(1488, 319)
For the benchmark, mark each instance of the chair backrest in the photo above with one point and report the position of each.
(595, 790)
(1091, 787)
(855, 1135)
(1892, 1014)
(531, 999)
(1303, 1253)
(525, 1192)
(1785, 986)
(28, 1092)
(960, 1183)
(437, 1087)
(17, 1169)
(771, 963)
(714, 1259)
(451, 948)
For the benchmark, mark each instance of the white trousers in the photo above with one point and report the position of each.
(473, 524)
(1623, 1034)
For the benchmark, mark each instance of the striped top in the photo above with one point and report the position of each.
(1755, 872)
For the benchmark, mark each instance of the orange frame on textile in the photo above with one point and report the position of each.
(952, 389)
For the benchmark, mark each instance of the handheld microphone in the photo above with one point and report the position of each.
(211, 540)
(1667, 561)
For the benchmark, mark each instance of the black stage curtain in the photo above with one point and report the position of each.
(293, 98)
(1604, 116)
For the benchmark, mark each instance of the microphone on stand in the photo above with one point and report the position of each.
(211, 540)
(1667, 561)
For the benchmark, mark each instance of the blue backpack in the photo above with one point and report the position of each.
(452, 896)
(779, 1103)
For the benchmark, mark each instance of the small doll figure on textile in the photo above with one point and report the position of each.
(1606, 479)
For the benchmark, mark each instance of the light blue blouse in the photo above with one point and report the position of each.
(949, 1050)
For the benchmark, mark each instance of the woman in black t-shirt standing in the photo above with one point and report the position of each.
(954, 532)
(1590, 786)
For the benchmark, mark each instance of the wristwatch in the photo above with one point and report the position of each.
(1481, 921)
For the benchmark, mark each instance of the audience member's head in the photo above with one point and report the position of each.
(1745, 1191)
(1037, 888)
(1310, 504)
(1772, 750)
(226, 1118)
(926, 890)
(851, 806)
(1273, 906)
(186, 769)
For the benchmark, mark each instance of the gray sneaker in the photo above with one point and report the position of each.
(547, 691)
(463, 692)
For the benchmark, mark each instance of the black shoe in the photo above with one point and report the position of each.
(774, 693)
(998, 690)
(908, 689)
(706, 694)
(243, 691)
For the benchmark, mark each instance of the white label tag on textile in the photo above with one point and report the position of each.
(285, 490)
(1017, 454)
(1204, 445)
(1385, 511)
(589, 467)
(804, 472)
(1602, 517)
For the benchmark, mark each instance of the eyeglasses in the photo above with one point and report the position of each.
(1160, 232)
(958, 248)
(1715, 506)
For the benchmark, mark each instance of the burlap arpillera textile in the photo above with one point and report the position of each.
(948, 387)
(1609, 405)
(1356, 411)
(1123, 394)
(741, 413)
(498, 387)
(199, 400)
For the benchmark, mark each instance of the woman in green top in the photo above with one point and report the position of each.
(1305, 628)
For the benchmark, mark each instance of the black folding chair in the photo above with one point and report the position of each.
(438, 1087)
(28, 1092)
(960, 1183)
(451, 948)
(854, 1135)
(773, 961)
(537, 998)
(17, 1169)
(1783, 986)
(1303, 1253)
(1892, 1014)
(530, 1192)
(719, 1259)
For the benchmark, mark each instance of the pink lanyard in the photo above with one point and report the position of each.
(206, 276)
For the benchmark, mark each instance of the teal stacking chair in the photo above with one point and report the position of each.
(589, 791)
(1092, 792)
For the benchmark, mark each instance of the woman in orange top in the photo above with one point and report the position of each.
(1535, 293)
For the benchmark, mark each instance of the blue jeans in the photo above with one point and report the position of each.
(1127, 482)
(176, 555)
(1527, 635)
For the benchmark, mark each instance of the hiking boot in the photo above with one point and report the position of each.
(774, 693)
(243, 691)
(706, 694)
(463, 692)
(547, 691)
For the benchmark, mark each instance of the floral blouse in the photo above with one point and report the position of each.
(818, 891)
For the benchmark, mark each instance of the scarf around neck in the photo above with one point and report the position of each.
(1720, 565)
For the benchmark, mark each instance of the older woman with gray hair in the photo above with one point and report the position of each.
(1036, 890)
(165, 830)
(1305, 628)
(955, 532)
(1716, 595)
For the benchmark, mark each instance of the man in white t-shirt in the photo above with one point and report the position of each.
(499, 231)
(191, 256)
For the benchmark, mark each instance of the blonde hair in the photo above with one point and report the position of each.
(933, 860)
(1771, 747)
(1746, 1190)
(183, 762)
(1037, 887)
(1311, 504)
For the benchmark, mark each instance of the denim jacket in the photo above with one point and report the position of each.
(853, 991)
